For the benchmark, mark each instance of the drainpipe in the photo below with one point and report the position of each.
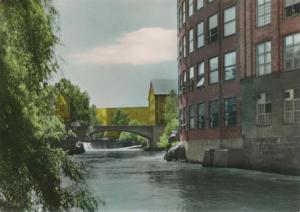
(220, 76)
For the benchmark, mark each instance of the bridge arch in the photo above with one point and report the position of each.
(147, 132)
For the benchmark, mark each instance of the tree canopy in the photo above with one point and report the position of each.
(31, 170)
(79, 103)
(120, 118)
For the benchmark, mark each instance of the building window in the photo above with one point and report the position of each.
(184, 46)
(201, 75)
(184, 80)
(191, 7)
(230, 66)
(263, 12)
(229, 21)
(263, 59)
(183, 12)
(183, 117)
(191, 78)
(191, 40)
(182, 83)
(230, 112)
(200, 35)
(213, 28)
(192, 120)
(213, 70)
(292, 106)
(264, 110)
(292, 52)
(200, 4)
(180, 48)
(292, 8)
(201, 115)
(214, 114)
(180, 17)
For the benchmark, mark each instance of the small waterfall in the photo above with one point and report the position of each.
(87, 146)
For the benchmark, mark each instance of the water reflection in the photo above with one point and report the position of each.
(139, 181)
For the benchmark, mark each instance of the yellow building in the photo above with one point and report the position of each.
(141, 114)
(159, 90)
(151, 115)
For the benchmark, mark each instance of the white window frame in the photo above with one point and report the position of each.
(200, 4)
(183, 12)
(229, 67)
(200, 34)
(200, 74)
(229, 111)
(292, 107)
(212, 27)
(265, 17)
(191, 77)
(266, 55)
(291, 3)
(263, 118)
(229, 21)
(192, 117)
(293, 47)
(191, 7)
(212, 71)
(184, 46)
(201, 116)
(191, 40)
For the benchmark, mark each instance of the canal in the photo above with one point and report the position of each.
(133, 180)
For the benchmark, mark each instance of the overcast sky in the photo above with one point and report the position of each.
(113, 48)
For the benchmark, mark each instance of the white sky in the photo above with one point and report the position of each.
(114, 48)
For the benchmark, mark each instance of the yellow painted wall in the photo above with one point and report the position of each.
(156, 108)
(159, 111)
(102, 115)
(141, 114)
(151, 115)
(151, 100)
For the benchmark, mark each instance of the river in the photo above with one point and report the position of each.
(133, 180)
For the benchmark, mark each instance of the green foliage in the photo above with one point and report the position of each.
(171, 107)
(120, 118)
(31, 169)
(126, 137)
(171, 118)
(79, 101)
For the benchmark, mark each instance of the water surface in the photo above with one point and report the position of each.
(143, 181)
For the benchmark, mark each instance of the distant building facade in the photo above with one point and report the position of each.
(140, 114)
(239, 73)
(152, 114)
(158, 92)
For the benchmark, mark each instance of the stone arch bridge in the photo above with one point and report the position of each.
(152, 133)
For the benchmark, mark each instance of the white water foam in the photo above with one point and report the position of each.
(88, 148)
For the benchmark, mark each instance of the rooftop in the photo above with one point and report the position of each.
(163, 86)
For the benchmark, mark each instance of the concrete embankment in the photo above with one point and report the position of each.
(277, 155)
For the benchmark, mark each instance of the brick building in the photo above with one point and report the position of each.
(239, 73)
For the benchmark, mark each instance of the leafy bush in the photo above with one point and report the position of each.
(127, 138)
(171, 118)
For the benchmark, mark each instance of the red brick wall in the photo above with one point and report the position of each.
(211, 92)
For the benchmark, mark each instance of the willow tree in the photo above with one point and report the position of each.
(31, 170)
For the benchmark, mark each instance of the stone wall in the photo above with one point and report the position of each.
(195, 149)
(273, 154)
